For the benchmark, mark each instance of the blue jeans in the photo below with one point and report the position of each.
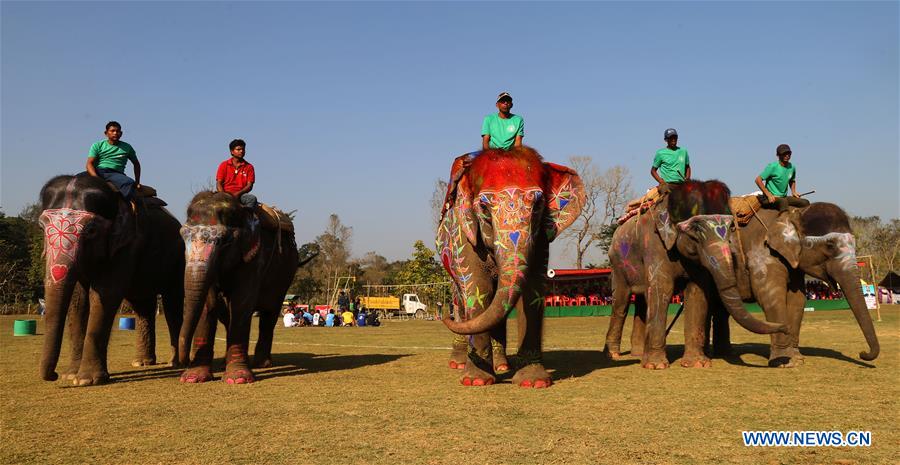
(122, 182)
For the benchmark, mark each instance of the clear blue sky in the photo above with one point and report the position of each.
(356, 108)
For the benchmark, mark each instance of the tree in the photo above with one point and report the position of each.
(312, 281)
(878, 239)
(15, 260)
(606, 194)
(422, 269)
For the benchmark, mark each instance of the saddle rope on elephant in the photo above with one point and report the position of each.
(272, 218)
(641, 204)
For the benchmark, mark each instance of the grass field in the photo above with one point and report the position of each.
(385, 395)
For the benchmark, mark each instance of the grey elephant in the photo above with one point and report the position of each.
(776, 251)
(680, 242)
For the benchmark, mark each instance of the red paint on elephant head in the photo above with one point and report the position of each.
(500, 169)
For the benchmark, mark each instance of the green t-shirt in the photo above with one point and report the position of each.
(111, 156)
(671, 164)
(778, 178)
(503, 132)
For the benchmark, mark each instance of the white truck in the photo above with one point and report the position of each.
(408, 305)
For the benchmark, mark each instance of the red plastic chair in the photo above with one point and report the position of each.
(580, 300)
(595, 300)
(548, 301)
(565, 300)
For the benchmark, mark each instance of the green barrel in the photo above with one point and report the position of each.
(24, 327)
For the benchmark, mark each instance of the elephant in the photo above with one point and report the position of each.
(99, 252)
(681, 242)
(233, 267)
(502, 210)
(776, 250)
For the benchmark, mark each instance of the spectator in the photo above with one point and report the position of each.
(307, 317)
(329, 318)
(315, 319)
(343, 302)
(347, 316)
(290, 320)
(372, 319)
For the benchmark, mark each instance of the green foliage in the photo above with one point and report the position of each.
(604, 241)
(16, 258)
(423, 268)
(879, 239)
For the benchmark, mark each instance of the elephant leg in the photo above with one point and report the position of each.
(771, 294)
(659, 294)
(796, 301)
(530, 322)
(717, 326)
(479, 369)
(498, 348)
(694, 317)
(145, 344)
(621, 294)
(237, 366)
(639, 326)
(200, 369)
(76, 326)
(460, 352)
(103, 307)
(262, 353)
(173, 308)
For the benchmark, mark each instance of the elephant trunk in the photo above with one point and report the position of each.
(56, 307)
(196, 288)
(509, 289)
(717, 259)
(848, 278)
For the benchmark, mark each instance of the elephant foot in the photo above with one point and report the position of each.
(454, 365)
(785, 358)
(655, 361)
(90, 378)
(501, 364)
(238, 375)
(533, 376)
(198, 374)
(612, 352)
(143, 362)
(474, 376)
(696, 361)
(51, 376)
(459, 357)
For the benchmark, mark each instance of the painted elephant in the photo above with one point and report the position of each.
(680, 242)
(776, 251)
(234, 266)
(502, 210)
(97, 254)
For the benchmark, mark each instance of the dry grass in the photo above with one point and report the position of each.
(384, 395)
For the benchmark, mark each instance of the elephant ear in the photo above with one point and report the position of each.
(783, 238)
(664, 223)
(565, 199)
(459, 198)
(249, 238)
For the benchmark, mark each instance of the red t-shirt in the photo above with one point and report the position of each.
(235, 178)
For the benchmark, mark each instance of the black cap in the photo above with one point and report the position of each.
(783, 149)
(670, 133)
(504, 95)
